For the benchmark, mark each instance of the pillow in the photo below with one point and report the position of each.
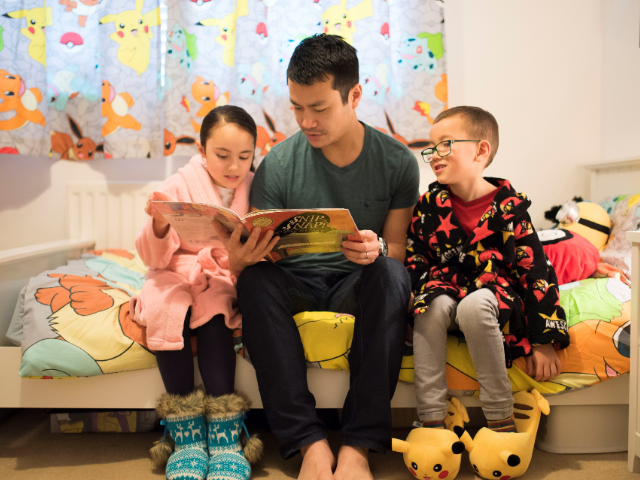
(573, 257)
(14, 334)
(609, 203)
(626, 218)
(77, 323)
(326, 338)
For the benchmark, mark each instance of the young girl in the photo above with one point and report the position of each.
(190, 292)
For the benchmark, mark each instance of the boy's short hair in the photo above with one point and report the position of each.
(479, 124)
(319, 56)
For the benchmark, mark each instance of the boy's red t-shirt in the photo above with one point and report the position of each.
(469, 213)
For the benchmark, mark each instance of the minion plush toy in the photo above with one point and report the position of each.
(587, 219)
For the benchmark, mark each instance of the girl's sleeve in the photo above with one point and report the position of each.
(156, 252)
(546, 320)
(417, 258)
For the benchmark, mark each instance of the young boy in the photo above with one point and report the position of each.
(476, 265)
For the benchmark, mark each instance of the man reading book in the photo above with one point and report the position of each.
(335, 161)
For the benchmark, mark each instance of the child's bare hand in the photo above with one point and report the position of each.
(160, 225)
(244, 255)
(543, 364)
(156, 197)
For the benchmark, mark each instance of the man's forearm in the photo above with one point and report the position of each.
(397, 251)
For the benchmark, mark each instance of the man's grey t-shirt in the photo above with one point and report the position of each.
(294, 174)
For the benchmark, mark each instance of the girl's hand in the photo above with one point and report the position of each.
(362, 253)
(543, 365)
(160, 225)
(244, 255)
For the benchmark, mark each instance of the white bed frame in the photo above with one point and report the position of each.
(108, 215)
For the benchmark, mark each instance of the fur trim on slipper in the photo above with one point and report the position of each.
(191, 405)
(225, 404)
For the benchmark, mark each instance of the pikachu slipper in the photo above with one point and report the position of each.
(431, 453)
(456, 414)
(506, 455)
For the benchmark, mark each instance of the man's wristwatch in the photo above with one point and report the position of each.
(384, 249)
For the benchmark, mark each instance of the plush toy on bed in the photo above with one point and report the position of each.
(506, 455)
(572, 256)
(587, 219)
(573, 247)
(433, 452)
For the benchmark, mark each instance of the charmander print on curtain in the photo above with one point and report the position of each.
(93, 79)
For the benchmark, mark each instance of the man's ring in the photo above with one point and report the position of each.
(366, 255)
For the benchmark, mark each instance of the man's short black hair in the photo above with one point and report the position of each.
(319, 56)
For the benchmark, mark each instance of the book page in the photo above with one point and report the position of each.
(192, 221)
(305, 231)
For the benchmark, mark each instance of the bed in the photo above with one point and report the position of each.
(108, 215)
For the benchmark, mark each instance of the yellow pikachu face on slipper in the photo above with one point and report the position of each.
(430, 453)
(499, 455)
(504, 455)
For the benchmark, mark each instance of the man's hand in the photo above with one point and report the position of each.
(543, 365)
(362, 253)
(160, 225)
(243, 255)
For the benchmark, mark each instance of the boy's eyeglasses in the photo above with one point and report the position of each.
(442, 149)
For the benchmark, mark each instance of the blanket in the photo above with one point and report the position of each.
(77, 323)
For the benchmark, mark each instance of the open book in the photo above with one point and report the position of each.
(300, 231)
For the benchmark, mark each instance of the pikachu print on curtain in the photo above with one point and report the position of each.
(95, 79)
(237, 51)
(79, 78)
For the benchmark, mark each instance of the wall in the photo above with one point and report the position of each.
(537, 66)
(33, 191)
(621, 80)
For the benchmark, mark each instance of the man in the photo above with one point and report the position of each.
(333, 162)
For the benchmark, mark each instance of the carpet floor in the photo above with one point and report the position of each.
(28, 451)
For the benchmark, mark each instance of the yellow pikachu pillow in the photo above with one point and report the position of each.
(326, 338)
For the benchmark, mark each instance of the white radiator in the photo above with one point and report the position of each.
(109, 213)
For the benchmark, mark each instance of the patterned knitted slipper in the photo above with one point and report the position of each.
(231, 449)
(184, 420)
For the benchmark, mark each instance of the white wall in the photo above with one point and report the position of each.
(536, 65)
(621, 80)
(33, 191)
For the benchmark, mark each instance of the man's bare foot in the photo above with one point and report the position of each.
(353, 464)
(318, 461)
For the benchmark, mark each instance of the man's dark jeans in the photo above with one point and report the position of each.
(378, 295)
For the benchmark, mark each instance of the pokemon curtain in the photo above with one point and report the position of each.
(86, 79)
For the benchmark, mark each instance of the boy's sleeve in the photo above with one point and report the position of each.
(417, 259)
(546, 320)
(267, 188)
(408, 189)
